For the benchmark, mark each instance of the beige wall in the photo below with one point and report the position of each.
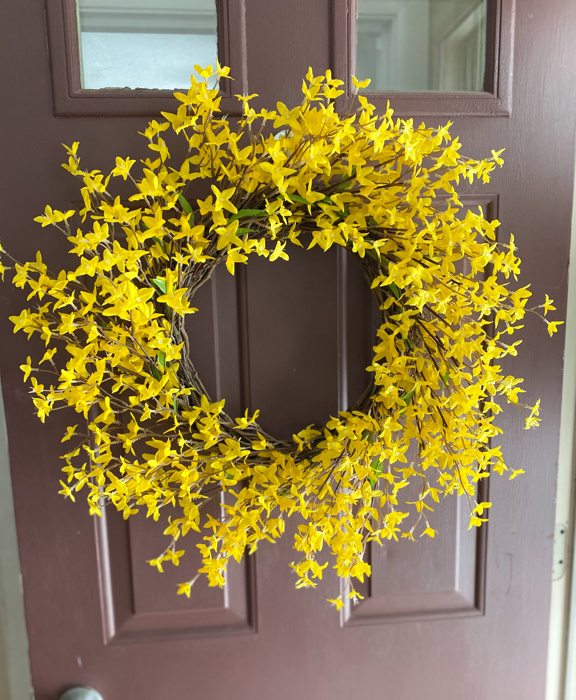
(15, 681)
(4, 687)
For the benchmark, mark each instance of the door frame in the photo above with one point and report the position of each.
(561, 679)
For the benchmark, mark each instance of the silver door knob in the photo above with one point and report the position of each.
(81, 694)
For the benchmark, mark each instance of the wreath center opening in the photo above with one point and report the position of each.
(304, 338)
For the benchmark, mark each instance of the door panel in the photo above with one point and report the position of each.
(137, 607)
(439, 579)
(464, 615)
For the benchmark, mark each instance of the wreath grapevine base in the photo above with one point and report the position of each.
(117, 348)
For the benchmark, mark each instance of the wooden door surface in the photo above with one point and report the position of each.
(463, 616)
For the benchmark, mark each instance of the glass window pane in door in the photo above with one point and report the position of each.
(145, 43)
(422, 45)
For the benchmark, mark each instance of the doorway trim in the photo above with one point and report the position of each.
(561, 679)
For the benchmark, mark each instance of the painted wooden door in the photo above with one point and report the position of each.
(464, 616)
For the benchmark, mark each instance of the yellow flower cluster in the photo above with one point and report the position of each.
(117, 348)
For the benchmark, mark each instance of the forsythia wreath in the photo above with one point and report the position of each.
(117, 346)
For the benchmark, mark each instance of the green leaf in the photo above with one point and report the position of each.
(372, 254)
(378, 466)
(175, 405)
(160, 283)
(346, 181)
(247, 213)
(445, 379)
(299, 199)
(185, 204)
(407, 397)
(161, 357)
(395, 290)
(155, 372)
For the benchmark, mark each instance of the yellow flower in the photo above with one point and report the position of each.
(548, 305)
(234, 256)
(53, 217)
(278, 252)
(222, 199)
(123, 166)
(360, 84)
(27, 368)
(66, 491)
(533, 420)
(553, 326)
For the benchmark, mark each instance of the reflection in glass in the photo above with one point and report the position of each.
(145, 43)
(422, 45)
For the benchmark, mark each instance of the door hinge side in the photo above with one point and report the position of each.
(560, 562)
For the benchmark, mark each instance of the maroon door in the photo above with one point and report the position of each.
(463, 616)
